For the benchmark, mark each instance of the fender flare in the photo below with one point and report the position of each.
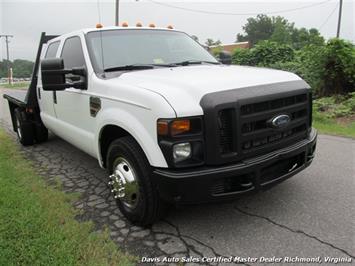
(135, 128)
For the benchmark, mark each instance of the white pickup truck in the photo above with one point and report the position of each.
(169, 122)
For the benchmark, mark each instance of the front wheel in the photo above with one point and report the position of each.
(131, 183)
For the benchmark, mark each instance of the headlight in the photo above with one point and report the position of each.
(181, 140)
(181, 151)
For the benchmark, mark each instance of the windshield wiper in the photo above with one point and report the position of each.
(151, 66)
(195, 62)
(129, 67)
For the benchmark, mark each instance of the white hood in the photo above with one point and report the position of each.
(183, 87)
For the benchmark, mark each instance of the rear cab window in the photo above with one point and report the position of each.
(52, 50)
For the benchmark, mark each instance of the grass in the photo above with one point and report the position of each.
(332, 126)
(335, 115)
(17, 85)
(37, 221)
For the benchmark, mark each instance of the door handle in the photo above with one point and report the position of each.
(55, 97)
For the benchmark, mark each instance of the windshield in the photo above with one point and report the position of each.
(137, 47)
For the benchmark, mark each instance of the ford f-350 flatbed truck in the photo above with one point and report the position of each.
(169, 122)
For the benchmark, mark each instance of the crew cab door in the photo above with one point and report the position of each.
(46, 98)
(72, 105)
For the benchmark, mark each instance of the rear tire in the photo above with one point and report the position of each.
(126, 159)
(24, 128)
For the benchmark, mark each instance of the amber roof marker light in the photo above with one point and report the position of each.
(124, 24)
(151, 25)
(99, 26)
(139, 24)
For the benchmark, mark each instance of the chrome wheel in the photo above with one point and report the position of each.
(124, 183)
(18, 128)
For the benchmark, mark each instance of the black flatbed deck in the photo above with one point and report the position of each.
(17, 97)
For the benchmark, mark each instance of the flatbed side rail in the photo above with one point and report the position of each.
(27, 100)
(31, 97)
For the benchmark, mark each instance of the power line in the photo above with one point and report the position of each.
(327, 19)
(236, 14)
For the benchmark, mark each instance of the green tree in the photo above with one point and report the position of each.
(257, 29)
(211, 42)
(21, 68)
(303, 37)
(282, 30)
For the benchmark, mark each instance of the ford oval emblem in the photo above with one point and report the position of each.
(280, 121)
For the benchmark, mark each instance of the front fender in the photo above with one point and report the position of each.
(139, 123)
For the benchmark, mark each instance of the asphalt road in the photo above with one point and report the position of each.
(309, 215)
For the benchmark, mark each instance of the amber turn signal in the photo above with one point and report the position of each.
(163, 128)
(179, 126)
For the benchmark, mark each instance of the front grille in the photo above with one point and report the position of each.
(257, 133)
(246, 130)
(272, 104)
(225, 125)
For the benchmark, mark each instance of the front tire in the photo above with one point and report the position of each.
(131, 182)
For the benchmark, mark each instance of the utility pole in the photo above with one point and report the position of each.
(117, 12)
(339, 17)
(7, 54)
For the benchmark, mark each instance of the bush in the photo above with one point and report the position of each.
(264, 53)
(243, 56)
(307, 64)
(329, 69)
(336, 106)
(338, 68)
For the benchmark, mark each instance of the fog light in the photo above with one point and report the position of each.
(181, 151)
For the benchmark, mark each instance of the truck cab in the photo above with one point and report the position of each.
(169, 122)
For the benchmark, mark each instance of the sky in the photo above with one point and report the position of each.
(26, 19)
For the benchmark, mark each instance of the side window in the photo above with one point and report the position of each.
(72, 53)
(52, 50)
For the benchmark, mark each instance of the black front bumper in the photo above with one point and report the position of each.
(206, 184)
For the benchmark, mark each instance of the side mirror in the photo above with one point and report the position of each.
(53, 75)
(225, 58)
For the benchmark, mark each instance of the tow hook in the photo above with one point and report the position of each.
(293, 167)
